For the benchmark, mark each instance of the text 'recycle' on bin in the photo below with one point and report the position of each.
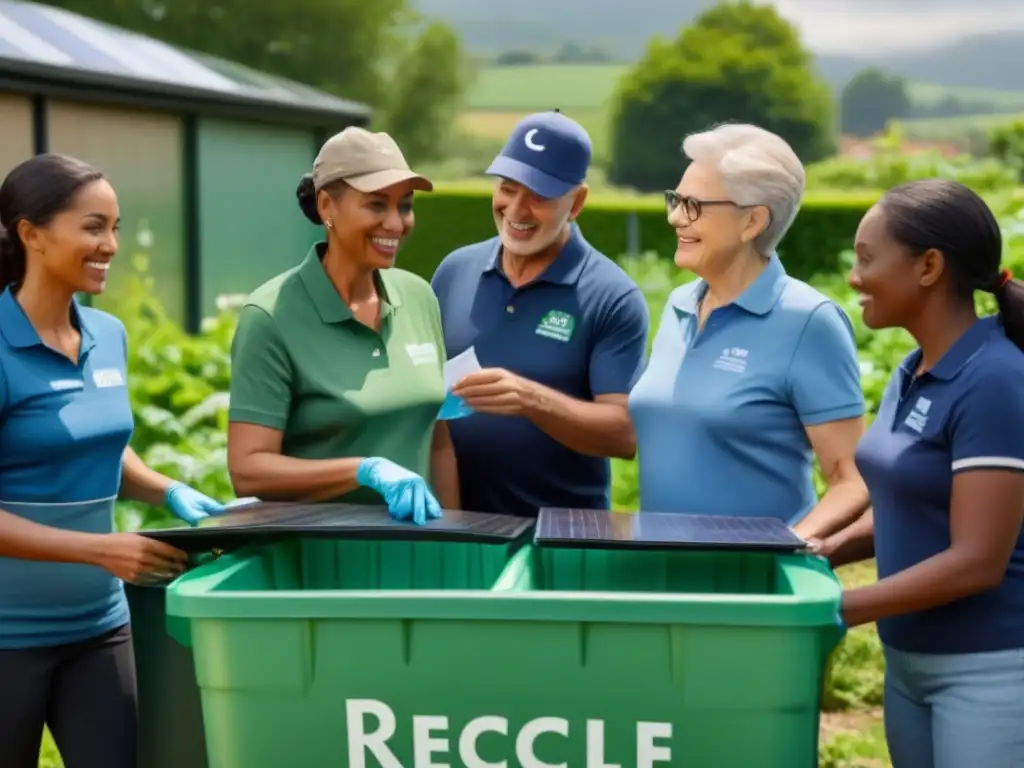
(432, 740)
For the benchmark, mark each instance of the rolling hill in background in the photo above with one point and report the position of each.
(994, 61)
(489, 27)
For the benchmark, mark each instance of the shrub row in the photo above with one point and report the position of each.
(447, 220)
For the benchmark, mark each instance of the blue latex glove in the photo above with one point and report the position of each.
(189, 504)
(453, 407)
(407, 495)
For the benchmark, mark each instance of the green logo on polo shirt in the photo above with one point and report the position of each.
(556, 325)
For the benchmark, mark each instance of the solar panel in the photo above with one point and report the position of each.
(82, 46)
(262, 522)
(600, 529)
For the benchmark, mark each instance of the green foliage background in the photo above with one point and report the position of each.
(448, 220)
(459, 214)
(738, 62)
(178, 385)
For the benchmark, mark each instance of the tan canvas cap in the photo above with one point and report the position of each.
(365, 160)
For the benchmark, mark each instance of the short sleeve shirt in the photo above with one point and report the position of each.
(721, 414)
(335, 388)
(965, 414)
(64, 427)
(580, 329)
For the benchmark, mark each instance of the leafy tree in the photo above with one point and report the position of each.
(738, 62)
(428, 84)
(870, 100)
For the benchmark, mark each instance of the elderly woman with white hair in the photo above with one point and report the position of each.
(752, 372)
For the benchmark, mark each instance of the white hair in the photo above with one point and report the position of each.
(757, 168)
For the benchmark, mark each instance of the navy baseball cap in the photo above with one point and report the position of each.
(547, 152)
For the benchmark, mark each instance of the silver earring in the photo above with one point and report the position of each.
(330, 223)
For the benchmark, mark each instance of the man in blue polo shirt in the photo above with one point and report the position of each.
(558, 328)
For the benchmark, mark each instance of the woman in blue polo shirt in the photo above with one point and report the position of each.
(752, 372)
(944, 464)
(66, 656)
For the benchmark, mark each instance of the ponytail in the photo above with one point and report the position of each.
(1009, 295)
(12, 260)
(306, 195)
(949, 217)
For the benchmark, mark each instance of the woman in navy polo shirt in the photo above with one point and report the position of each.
(752, 372)
(66, 656)
(944, 465)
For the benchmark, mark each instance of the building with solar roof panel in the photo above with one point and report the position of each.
(205, 154)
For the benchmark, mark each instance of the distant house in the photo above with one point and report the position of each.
(205, 154)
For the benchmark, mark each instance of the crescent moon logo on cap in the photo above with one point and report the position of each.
(531, 143)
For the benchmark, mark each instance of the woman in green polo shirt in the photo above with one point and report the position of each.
(338, 363)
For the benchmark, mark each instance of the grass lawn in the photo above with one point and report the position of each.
(854, 737)
(575, 86)
(498, 124)
(853, 740)
(929, 94)
(567, 87)
(501, 96)
(955, 128)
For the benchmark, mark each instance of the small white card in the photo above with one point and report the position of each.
(245, 501)
(459, 366)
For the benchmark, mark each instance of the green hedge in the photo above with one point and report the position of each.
(446, 220)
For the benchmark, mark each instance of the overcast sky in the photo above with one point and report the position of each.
(851, 26)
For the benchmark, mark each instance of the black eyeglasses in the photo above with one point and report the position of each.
(691, 206)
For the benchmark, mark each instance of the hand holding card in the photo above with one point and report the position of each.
(461, 365)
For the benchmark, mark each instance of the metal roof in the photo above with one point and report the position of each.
(43, 43)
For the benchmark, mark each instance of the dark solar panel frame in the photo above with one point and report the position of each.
(264, 522)
(600, 529)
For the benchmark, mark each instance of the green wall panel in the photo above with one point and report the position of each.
(250, 226)
(16, 141)
(141, 154)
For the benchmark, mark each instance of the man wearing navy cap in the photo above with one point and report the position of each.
(558, 328)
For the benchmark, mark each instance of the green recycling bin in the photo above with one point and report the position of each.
(314, 548)
(357, 655)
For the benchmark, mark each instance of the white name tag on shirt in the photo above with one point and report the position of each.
(61, 385)
(422, 354)
(108, 377)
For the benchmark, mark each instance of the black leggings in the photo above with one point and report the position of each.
(85, 693)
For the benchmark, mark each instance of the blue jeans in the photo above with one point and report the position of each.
(955, 711)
